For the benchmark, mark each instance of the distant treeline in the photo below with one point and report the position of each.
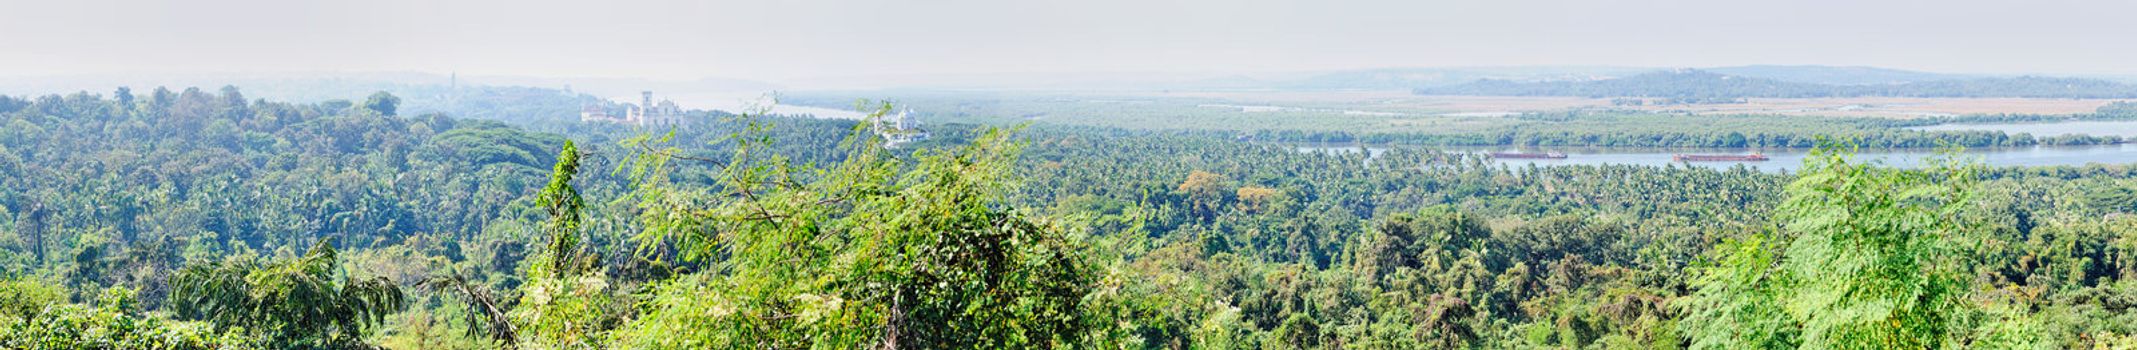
(1603, 129)
(1717, 139)
(1698, 84)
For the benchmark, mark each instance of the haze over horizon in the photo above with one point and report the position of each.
(819, 41)
(1111, 174)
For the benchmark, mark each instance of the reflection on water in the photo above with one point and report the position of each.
(1787, 159)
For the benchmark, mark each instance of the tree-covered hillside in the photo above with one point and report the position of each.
(1835, 75)
(204, 220)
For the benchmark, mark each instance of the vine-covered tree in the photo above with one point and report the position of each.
(564, 299)
(870, 252)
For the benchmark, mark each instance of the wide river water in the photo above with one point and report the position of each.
(1790, 159)
(1787, 159)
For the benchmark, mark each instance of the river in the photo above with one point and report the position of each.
(1788, 159)
(1783, 159)
(738, 102)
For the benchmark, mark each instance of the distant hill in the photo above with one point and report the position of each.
(1683, 83)
(1832, 75)
(1411, 78)
(1702, 84)
(1414, 78)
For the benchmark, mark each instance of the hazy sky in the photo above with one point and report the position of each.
(784, 40)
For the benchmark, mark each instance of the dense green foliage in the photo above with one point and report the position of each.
(768, 232)
(114, 322)
(867, 252)
(1873, 263)
(303, 303)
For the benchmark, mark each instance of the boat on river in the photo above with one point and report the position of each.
(1753, 157)
(1523, 155)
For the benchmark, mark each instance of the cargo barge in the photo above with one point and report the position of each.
(1520, 155)
(1753, 157)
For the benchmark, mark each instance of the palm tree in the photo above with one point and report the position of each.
(305, 302)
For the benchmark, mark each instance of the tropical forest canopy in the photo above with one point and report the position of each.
(202, 219)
